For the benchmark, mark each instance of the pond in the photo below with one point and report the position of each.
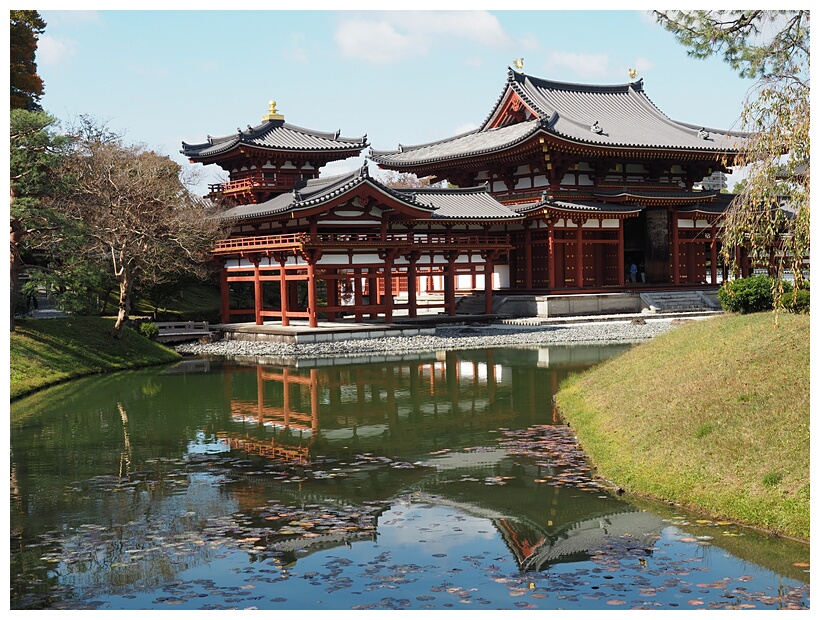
(433, 481)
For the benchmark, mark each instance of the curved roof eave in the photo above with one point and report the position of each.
(254, 137)
(581, 208)
(519, 137)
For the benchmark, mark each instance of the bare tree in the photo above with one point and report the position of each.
(404, 180)
(135, 208)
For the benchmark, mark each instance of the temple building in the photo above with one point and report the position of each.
(563, 189)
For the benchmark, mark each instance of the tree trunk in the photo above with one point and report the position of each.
(126, 279)
(16, 233)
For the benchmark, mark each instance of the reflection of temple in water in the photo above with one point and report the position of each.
(543, 525)
(415, 410)
(441, 400)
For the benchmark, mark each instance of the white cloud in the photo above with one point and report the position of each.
(387, 37)
(649, 18)
(295, 50)
(529, 43)
(53, 52)
(587, 65)
(72, 18)
(477, 26)
(643, 64)
(376, 42)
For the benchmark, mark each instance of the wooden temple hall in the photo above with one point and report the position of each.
(561, 190)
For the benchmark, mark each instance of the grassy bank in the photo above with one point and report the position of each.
(713, 415)
(48, 351)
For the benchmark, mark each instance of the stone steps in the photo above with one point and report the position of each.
(677, 301)
(471, 304)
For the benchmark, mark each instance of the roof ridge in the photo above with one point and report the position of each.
(578, 86)
(451, 190)
(328, 135)
(404, 148)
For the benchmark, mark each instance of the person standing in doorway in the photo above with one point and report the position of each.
(633, 272)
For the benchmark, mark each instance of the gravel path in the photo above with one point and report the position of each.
(446, 338)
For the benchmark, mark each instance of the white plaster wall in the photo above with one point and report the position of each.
(501, 276)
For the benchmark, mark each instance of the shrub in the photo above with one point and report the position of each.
(746, 295)
(149, 330)
(752, 294)
(796, 301)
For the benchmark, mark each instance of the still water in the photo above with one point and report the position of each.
(440, 481)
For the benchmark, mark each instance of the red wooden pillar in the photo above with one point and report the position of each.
(260, 395)
(527, 257)
(450, 283)
(224, 292)
(257, 292)
(357, 295)
(412, 309)
(332, 294)
(551, 253)
(579, 254)
(314, 400)
(675, 249)
(286, 395)
(488, 283)
(714, 255)
(388, 288)
(283, 292)
(621, 252)
(313, 315)
(373, 289)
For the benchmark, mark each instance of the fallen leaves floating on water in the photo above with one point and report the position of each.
(555, 450)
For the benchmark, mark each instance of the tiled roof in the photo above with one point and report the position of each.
(709, 208)
(637, 194)
(275, 135)
(453, 204)
(624, 115)
(474, 142)
(619, 116)
(582, 206)
(470, 203)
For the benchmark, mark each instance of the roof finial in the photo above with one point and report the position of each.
(272, 114)
(632, 74)
(519, 63)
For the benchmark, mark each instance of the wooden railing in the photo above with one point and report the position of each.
(179, 330)
(281, 180)
(512, 198)
(347, 240)
(264, 242)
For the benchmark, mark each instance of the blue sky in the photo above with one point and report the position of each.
(407, 76)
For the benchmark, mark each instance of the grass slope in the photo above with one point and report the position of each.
(713, 415)
(48, 351)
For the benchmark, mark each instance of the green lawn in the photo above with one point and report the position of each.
(713, 415)
(48, 351)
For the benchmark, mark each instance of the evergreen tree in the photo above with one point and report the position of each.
(26, 85)
(770, 216)
(36, 152)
